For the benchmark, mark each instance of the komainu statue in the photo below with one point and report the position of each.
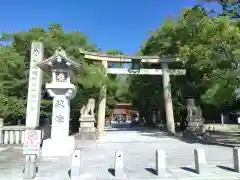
(88, 110)
(194, 117)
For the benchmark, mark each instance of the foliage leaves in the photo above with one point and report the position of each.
(209, 51)
(14, 64)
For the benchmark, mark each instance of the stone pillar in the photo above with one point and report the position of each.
(34, 86)
(76, 165)
(160, 162)
(60, 144)
(119, 166)
(168, 99)
(102, 107)
(60, 118)
(236, 159)
(200, 160)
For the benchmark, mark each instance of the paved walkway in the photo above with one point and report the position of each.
(227, 135)
(139, 148)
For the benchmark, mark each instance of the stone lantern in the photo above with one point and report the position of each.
(62, 91)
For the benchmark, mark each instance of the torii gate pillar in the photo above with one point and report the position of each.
(102, 107)
(168, 98)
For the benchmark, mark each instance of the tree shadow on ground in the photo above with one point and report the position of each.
(225, 138)
(230, 138)
(180, 135)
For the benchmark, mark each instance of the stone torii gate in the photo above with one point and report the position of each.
(135, 60)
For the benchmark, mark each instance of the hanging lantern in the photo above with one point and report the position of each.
(136, 65)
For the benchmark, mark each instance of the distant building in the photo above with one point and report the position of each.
(124, 109)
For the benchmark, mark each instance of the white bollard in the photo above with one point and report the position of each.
(76, 165)
(199, 160)
(160, 162)
(119, 167)
(236, 159)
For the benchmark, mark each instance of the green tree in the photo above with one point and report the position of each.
(230, 8)
(12, 83)
(15, 60)
(209, 50)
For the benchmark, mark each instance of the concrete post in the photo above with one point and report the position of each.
(236, 159)
(160, 162)
(76, 165)
(119, 167)
(168, 99)
(102, 107)
(30, 167)
(199, 160)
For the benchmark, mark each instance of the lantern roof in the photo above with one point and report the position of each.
(59, 60)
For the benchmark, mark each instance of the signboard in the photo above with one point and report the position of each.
(32, 142)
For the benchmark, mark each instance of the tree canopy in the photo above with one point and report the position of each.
(209, 51)
(15, 58)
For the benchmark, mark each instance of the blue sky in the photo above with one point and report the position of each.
(118, 24)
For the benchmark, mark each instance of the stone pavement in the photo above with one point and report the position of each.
(227, 135)
(139, 146)
(230, 139)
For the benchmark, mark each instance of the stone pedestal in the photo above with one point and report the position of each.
(87, 130)
(64, 147)
(194, 118)
(60, 143)
(87, 124)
